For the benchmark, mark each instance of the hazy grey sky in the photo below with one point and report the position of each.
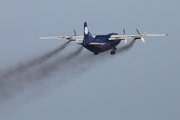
(140, 83)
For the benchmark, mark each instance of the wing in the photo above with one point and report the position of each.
(138, 36)
(75, 38)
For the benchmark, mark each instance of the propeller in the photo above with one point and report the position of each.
(76, 35)
(125, 40)
(143, 40)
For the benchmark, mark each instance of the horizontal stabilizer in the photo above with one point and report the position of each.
(94, 43)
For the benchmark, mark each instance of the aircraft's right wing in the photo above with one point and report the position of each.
(122, 37)
(138, 36)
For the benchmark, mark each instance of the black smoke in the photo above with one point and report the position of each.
(126, 47)
(34, 72)
(22, 67)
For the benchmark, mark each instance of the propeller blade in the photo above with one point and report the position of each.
(142, 39)
(77, 41)
(74, 32)
(123, 31)
(125, 41)
(137, 31)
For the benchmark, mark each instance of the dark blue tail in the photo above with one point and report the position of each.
(87, 35)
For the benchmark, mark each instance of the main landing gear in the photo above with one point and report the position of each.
(96, 53)
(113, 51)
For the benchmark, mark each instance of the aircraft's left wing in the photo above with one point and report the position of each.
(75, 38)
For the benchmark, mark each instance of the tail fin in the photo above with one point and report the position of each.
(87, 35)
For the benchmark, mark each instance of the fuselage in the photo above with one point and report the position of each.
(101, 43)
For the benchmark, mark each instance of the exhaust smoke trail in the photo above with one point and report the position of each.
(34, 76)
(68, 66)
(57, 65)
(23, 67)
(72, 63)
(126, 47)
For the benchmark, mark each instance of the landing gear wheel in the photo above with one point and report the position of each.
(113, 52)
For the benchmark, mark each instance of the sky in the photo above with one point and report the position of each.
(45, 79)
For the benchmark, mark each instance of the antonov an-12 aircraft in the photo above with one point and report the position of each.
(101, 43)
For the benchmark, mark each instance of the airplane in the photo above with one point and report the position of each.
(101, 43)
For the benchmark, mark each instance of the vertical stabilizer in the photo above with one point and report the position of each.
(87, 35)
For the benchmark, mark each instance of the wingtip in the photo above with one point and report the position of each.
(166, 34)
(85, 22)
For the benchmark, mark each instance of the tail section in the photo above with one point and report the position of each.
(87, 35)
